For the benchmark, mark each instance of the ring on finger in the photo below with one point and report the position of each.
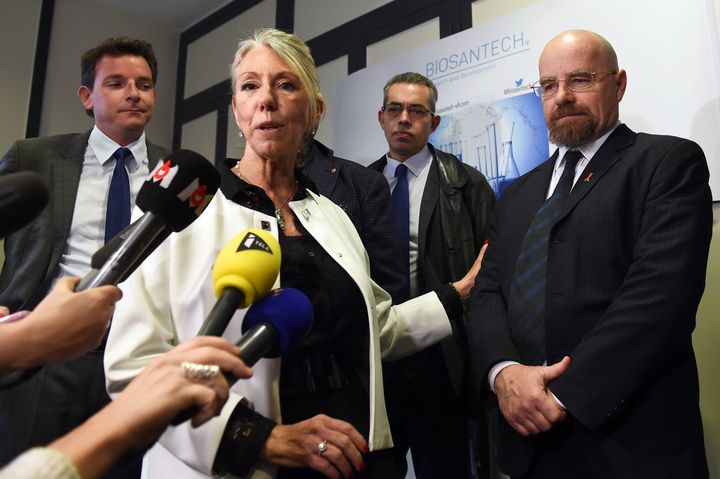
(199, 372)
(322, 447)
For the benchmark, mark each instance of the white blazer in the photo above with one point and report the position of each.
(166, 300)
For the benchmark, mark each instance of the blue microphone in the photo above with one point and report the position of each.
(275, 325)
(272, 327)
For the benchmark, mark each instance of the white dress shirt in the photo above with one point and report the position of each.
(87, 231)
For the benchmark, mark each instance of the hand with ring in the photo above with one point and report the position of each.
(170, 384)
(322, 447)
(330, 446)
(187, 376)
(200, 372)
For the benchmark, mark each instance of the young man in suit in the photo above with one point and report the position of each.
(447, 206)
(581, 318)
(118, 90)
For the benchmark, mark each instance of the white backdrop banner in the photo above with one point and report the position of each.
(493, 121)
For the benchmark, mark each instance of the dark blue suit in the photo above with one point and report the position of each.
(625, 273)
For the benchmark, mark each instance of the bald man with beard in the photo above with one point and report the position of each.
(581, 317)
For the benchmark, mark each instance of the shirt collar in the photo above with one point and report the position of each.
(415, 164)
(245, 194)
(104, 148)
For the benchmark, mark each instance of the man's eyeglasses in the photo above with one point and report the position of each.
(415, 112)
(576, 81)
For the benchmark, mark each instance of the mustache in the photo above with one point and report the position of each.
(567, 110)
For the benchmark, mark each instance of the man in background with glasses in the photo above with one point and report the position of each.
(581, 318)
(441, 210)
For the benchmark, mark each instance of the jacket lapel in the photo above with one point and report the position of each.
(155, 154)
(604, 159)
(66, 169)
(324, 174)
(428, 204)
(538, 184)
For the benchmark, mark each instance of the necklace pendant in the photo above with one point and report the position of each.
(280, 218)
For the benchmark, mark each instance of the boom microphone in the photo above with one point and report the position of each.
(23, 195)
(244, 271)
(272, 326)
(172, 197)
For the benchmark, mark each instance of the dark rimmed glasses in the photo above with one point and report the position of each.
(415, 112)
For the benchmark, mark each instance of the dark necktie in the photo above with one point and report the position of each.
(401, 217)
(526, 301)
(117, 216)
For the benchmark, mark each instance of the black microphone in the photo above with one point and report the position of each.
(172, 197)
(23, 195)
(272, 327)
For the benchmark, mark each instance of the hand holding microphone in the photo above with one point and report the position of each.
(52, 331)
(272, 326)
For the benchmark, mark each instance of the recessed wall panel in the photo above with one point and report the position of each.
(235, 143)
(414, 37)
(329, 74)
(199, 135)
(209, 57)
(484, 10)
(314, 17)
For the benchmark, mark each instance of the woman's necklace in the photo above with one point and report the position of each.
(278, 209)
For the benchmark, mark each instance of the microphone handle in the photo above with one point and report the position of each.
(222, 312)
(257, 342)
(127, 254)
(253, 345)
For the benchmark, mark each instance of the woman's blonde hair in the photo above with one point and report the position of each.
(296, 54)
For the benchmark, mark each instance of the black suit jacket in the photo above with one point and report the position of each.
(454, 219)
(59, 396)
(32, 254)
(363, 194)
(625, 273)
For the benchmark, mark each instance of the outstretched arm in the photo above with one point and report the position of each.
(150, 402)
(63, 326)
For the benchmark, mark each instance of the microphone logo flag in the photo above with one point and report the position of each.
(252, 241)
(194, 193)
(164, 173)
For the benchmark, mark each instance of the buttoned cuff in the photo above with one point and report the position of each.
(243, 439)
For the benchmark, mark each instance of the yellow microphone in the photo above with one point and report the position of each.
(244, 272)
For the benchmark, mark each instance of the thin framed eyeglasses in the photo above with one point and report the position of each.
(415, 112)
(579, 80)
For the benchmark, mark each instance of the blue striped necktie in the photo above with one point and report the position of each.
(401, 217)
(117, 215)
(526, 301)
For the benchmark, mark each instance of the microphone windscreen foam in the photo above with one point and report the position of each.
(179, 188)
(249, 262)
(23, 195)
(289, 310)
